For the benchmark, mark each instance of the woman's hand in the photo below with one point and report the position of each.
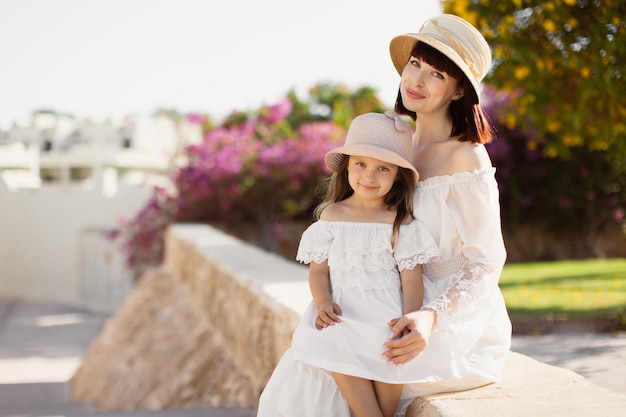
(327, 315)
(414, 330)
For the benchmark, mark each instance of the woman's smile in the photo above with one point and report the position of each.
(414, 95)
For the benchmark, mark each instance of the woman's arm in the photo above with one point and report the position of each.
(467, 303)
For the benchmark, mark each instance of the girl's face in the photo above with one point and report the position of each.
(425, 89)
(370, 178)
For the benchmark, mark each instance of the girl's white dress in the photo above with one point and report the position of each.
(467, 348)
(365, 282)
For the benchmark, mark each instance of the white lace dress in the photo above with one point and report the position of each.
(468, 347)
(365, 281)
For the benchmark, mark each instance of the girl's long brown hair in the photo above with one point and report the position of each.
(400, 197)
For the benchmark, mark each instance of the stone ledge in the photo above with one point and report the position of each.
(528, 388)
(244, 303)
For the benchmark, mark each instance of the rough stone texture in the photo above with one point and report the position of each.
(209, 326)
(158, 352)
(223, 275)
(528, 388)
(192, 332)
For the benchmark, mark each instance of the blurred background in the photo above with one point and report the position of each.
(119, 118)
(117, 58)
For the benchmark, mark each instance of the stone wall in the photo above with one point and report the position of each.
(208, 327)
(203, 329)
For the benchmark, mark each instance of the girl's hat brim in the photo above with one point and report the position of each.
(385, 137)
(333, 157)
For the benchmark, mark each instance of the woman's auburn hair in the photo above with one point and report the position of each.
(469, 121)
(400, 197)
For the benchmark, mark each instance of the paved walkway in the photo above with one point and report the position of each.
(601, 358)
(41, 346)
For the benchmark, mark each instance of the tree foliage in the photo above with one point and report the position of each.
(558, 74)
(565, 63)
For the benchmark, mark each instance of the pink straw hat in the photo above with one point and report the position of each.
(385, 137)
(455, 38)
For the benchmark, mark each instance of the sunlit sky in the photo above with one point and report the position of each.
(110, 58)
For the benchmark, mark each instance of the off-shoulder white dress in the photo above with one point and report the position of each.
(365, 282)
(468, 347)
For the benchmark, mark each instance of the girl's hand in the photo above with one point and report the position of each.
(414, 330)
(327, 315)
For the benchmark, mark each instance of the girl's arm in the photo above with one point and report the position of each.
(412, 299)
(328, 311)
(412, 289)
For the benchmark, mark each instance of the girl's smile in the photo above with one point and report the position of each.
(371, 178)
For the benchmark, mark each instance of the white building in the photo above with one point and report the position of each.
(63, 185)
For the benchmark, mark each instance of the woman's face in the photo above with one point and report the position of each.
(425, 89)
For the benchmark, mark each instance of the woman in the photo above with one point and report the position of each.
(459, 338)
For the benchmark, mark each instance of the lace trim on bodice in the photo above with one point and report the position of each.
(360, 254)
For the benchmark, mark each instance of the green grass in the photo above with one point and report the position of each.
(565, 289)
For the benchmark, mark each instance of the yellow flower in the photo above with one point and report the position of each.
(531, 145)
(571, 2)
(549, 25)
(599, 145)
(572, 140)
(573, 23)
(510, 121)
(551, 152)
(502, 30)
(472, 17)
(554, 126)
(540, 64)
(528, 99)
(521, 72)
(584, 72)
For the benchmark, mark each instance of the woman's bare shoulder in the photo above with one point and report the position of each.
(467, 156)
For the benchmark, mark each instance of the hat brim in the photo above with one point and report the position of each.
(333, 157)
(401, 46)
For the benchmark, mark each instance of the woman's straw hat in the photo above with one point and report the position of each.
(381, 136)
(455, 38)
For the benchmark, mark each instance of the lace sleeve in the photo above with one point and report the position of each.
(467, 303)
(415, 246)
(315, 243)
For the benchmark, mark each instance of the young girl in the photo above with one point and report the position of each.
(365, 254)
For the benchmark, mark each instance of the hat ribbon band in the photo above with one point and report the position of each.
(449, 39)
